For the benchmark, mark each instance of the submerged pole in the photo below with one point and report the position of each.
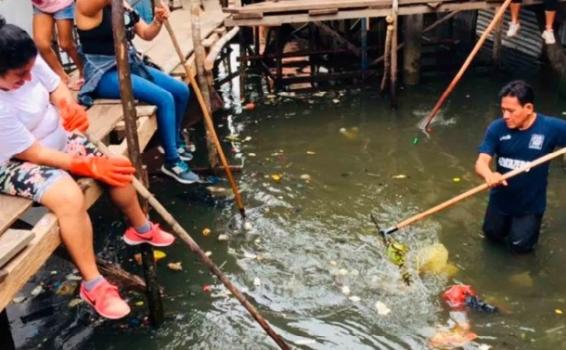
(121, 48)
(413, 25)
(364, 42)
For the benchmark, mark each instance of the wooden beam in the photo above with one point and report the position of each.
(339, 38)
(12, 242)
(217, 47)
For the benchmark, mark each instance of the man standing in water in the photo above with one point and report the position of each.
(516, 206)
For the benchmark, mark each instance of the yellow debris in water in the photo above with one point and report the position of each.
(157, 255)
(276, 177)
(432, 259)
(139, 303)
(206, 231)
(175, 266)
(311, 153)
(456, 179)
(522, 280)
(558, 311)
(400, 176)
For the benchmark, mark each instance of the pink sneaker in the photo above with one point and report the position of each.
(156, 237)
(106, 300)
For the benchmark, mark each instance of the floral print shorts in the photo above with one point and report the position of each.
(29, 180)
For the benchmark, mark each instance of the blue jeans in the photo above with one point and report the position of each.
(171, 97)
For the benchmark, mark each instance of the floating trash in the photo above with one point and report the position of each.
(333, 263)
(219, 191)
(558, 311)
(73, 277)
(139, 303)
(382, 309)
(415, 140)
(207, 288)
(37, 291)
(250, 106)
(456, 179)
(345, 290)
(248, 226)
(74, 302)
(249, 255)
(399, 176)
(223, 237)
(305, 342)
(305, 177)
(351, 133)
(311, 153)
(208, 253)
(452, 339)
(432, 259)
(251, 154)
(206, 231)
(335, 100)
(248, 139)
(355, 298)
(175, 266)
(257, 282)
(319, 94)
(67, 288)
(157, 255)
(19, 299)
(342, 272)
(276, 177)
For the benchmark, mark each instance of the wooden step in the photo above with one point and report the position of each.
(12, 242)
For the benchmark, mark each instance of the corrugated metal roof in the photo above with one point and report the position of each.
(527, 41)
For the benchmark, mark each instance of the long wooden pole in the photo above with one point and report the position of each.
(195, 248)
(386, 54)
(471, 192)
(207, 120)
(424, 125)
(394, 42)
(121, 48)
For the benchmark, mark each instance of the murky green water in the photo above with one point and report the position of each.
(312, 234)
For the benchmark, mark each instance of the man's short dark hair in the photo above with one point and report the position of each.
(16, 47)
(519, 89)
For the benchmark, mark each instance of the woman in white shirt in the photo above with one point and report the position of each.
(41, 144)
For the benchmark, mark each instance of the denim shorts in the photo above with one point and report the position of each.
(30, 180)
(64, 13)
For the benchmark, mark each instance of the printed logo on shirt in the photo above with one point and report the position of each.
(536, 141)
(510, 163)
(505, 137)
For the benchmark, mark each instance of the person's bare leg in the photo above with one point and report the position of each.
(65, 199)
(66, 42)
(549, 19)
(127, 200)
(515, 11)
(42, 35)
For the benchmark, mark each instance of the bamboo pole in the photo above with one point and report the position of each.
(394, 38)
(121, 48)
(424, 125)
(471, 192)
(207, 121)
(195, 248)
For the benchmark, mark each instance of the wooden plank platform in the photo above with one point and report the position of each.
(103, 118)
(293, 11)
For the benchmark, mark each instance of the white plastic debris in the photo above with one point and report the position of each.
(305, 177)
(333, 262)
(37, 290)
(342, 272)
(74, 302)
(382, 309)
(354, 298)
(19, 299)
(251, 154)
(222, 237)
(208, 253)
(73, 277)
(345, 290)
(305, 342)
(248, 138)
(248, 226)
(257, 282)
(335, 100)
(249, 255)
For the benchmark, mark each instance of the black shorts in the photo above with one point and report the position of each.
(549, 5)
(519, 232)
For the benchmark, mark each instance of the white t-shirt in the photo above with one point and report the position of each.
(27, 115)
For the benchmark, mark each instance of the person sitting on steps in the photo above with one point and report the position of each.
(41, 144)
(550, 7)
(149, 85)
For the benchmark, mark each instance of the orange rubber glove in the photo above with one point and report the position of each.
(74, 116)
(115, 171)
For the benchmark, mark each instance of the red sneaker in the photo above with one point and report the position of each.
(106, 300)
(156, 237)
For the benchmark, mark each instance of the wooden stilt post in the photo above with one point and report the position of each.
(129, 109)
(364, 51)
(394, 35)
(243, 63)
(312, 47)
(497, 37)
(200, 57)
(279, 47)
(387, 54)
(413, 25)
(5, 332)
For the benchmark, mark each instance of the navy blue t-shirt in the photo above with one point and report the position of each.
(511, 149)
